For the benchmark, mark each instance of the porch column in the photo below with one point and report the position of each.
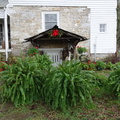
(6, 34)
(69, 57)
(74, 56)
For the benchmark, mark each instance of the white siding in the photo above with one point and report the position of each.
(102, 12)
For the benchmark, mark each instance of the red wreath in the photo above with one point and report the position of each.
(55, 33)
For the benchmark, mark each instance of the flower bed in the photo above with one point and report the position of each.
(1, 66)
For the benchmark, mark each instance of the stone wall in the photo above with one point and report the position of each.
(26, 21)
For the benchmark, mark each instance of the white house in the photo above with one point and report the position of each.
(93, 19)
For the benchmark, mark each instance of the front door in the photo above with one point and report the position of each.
(55, 55)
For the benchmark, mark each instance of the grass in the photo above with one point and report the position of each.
(106, 108)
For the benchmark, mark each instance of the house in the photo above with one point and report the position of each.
(91, 19)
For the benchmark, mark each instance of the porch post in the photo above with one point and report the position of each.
(6, 34)
(74, 53)
(69, 57)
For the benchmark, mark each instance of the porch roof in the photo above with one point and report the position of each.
(55, 34)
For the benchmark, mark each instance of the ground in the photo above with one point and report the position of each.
(105, 109)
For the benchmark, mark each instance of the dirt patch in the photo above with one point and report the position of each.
(9, 112)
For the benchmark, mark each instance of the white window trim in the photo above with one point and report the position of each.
(2, 32)
(105, 28)
(43, 18)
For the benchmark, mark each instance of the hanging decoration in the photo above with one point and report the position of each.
(55, 33)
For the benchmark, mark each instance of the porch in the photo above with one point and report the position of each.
(59, 44)
(5, 43)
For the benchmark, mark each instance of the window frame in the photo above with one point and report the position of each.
(43, 18)
(2, 32)
(104, 30)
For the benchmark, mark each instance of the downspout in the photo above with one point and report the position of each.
(95, 49)
(6, 33)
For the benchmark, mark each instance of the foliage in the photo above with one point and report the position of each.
(100, 65)
(23, 81)
(33, 51)
(92, 65)
(114, 83)
(113, 58)
(100, 80)
(1, 64)
(110, 66)
(81, 49)
(68, 85)
(84, 65)
(117, 65)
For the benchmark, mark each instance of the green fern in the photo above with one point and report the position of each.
(23, 81)
(114, 83)
(67, 86)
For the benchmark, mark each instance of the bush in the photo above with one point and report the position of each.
(23, 81)
(100, 80)
(114, 83)
(113, 58)
(92, 66)
(81, 49)
(33, 51)
(1, 66)
(85, 66)
(67, 86)
(100, 65)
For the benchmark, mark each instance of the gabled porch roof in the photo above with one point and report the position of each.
(56, 34)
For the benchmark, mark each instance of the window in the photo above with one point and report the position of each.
(102, 28)
(1, 34)
(50, 19)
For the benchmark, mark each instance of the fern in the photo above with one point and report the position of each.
(114, 83)
(23, 81)
(68, 85)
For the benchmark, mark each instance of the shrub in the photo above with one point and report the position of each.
(68, 85)
(33, 51)
(117, 65)
(100, 80)
(81, 49)
(100, 65)
(113, 58)
(23, 81)
(92, 65)
(110, 66)
(1, 65)
(114, 83)
(85, 66)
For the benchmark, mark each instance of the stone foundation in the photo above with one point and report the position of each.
(99, 56)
